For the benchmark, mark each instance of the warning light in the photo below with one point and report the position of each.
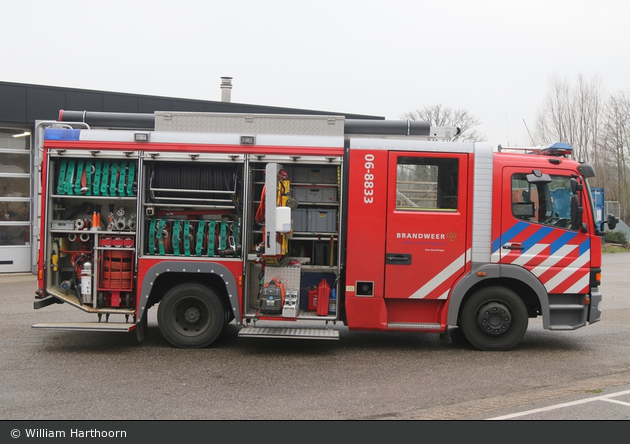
(557, 149)
(61, 134)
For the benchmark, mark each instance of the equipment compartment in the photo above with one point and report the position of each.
(309, 253)
(92, 201)
(192, 208)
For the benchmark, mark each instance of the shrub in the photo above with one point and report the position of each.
(616, 237)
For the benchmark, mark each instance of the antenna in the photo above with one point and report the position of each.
(507, 130)
(530, 134)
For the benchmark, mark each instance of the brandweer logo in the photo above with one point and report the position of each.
(426, 236)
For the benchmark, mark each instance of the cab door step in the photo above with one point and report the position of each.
(290, 333)
(88, 326)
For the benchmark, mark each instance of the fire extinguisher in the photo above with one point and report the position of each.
(323, 295)
(86, 282)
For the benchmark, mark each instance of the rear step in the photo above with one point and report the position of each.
(88, 326)
(290, 333)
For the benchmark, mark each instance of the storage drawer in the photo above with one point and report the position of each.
(315, 194)
(300, 219)
(322, 221)
(315, 174)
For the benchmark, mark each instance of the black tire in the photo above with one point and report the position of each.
(494, 319)
(191, 316)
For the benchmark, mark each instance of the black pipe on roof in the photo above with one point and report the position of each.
(387, 127)
(109, 120)
(147, 121)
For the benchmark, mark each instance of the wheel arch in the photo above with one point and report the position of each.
(518, 279)
(161, 277)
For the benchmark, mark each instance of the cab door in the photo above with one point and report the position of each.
(426, 224)
(538, 232)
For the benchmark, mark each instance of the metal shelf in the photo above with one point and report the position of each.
(87, 196)
(210, 207)
(317, 204)
(70, 297)
(100, 232)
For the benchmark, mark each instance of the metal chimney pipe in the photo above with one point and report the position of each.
(226, 89)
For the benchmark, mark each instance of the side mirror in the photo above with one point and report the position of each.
(612, 221)
(576, 213)
(576, 186)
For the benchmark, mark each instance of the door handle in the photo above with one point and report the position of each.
(398, 259)
(513, 246)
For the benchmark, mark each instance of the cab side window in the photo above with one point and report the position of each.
(427, 184)
(547, 203)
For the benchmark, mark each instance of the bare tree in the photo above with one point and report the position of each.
(571, 115)
(597, 126)
(615, 148)
(439, 115)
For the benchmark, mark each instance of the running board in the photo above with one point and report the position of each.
(414, 325)
(88, 326)
(289, 333)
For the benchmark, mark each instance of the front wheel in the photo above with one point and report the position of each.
(191, 316)
(494, 318)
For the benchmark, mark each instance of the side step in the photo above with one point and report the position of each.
(290, 333)
(88, 326)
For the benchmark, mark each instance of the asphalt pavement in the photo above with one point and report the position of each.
(76, 376)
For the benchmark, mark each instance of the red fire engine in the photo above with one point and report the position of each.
(290, 225)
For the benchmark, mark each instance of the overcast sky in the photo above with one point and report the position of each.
(491, 58)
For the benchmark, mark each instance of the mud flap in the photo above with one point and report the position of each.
(594, 309)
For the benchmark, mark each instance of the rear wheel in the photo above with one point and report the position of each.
(191, 316)
(494, 318)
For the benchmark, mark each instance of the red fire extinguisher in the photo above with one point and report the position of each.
(323, 294)
(312, 300)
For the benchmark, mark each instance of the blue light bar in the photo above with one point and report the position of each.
(558, 149)
(61, 134)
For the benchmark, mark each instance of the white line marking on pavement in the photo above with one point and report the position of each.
(615, 401)
(566, 404)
